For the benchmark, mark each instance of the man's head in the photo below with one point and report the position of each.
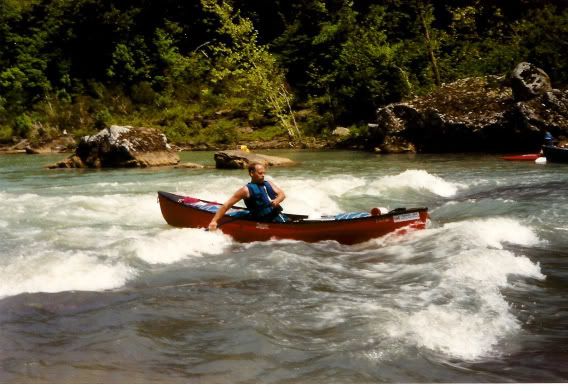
(256, 172)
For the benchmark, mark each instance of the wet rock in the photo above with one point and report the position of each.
(528, 82)
(122, 146)
(71, 162)
(241, 159)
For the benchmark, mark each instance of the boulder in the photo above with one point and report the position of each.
(71, 162)
(478, 114)
(241, 159)
(528, 82)
(122, 146)
(341, 132)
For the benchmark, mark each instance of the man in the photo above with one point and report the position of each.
(261, 197)
(548, 139)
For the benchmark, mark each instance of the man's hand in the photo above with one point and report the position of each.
(274, 203)
(212, 226)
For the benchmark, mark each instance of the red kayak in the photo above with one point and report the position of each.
(528, 157)
(345, 228)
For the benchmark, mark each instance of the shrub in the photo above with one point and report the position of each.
(143, 93)
(23, 125)
(221, 131)
(103, 119)
(6, 134)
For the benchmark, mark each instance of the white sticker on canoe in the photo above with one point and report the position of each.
(406, 217)
(261, 226)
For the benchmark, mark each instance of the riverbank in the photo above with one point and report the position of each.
(68, 145)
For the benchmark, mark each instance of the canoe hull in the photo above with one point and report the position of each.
(555, 154)
(520, 158)
(343, 231)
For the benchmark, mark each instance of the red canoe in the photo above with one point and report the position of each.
(345, 228)
(530, 156)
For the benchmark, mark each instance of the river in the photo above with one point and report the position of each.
(96, 287)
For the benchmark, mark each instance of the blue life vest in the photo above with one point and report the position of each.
(548, 139)
(259, 199)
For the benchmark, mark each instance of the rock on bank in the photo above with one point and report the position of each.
(241, 159)
(478, 114)
(121, 146)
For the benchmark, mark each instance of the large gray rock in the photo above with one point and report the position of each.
(341, 132)
(528, 82)
(122, 146)
(474, 114)
(241, 159)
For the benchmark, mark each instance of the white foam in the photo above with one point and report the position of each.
(457, 332)
(84, 210)
(61, 271)
(489, 268)
(417, 180)
(491, 232)
(175, 245)
(458, 309)
(317, 198)
(120, 209)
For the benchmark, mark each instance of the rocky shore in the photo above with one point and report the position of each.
(482, 114)
(503, 113)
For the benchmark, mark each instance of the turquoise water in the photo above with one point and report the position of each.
(96, 287)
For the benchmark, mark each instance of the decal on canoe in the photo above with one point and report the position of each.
(261, 226)
(406, 217)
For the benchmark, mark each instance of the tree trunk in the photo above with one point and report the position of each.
(428, 41)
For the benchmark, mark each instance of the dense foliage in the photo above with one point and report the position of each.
(212, 70)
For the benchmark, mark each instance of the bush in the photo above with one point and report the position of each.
(103, 119)
(316, 124)
(177, 132)
(6, 134)
(265, 134)
(222, 131)
(143, 93)
(23, 125)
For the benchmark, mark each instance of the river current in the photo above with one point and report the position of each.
(96, 287)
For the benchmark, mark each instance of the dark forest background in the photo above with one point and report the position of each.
(222, 71)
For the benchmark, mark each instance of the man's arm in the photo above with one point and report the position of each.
(239, 195)
(280, 195)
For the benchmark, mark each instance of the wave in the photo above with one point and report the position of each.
(175, 245)
(418, 180)
(458, 309)
(55, 271)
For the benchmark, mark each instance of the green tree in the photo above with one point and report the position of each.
(368, 73)
(249, 66)
(544, 40)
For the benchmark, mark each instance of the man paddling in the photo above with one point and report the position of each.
(261, 197)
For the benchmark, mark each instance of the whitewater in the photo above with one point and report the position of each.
(96, 287)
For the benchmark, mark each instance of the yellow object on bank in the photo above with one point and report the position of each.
(244, 148)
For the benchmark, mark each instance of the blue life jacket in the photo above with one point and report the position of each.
(548, 139)
(259, 200)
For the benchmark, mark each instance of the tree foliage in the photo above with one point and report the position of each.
(77, 64)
